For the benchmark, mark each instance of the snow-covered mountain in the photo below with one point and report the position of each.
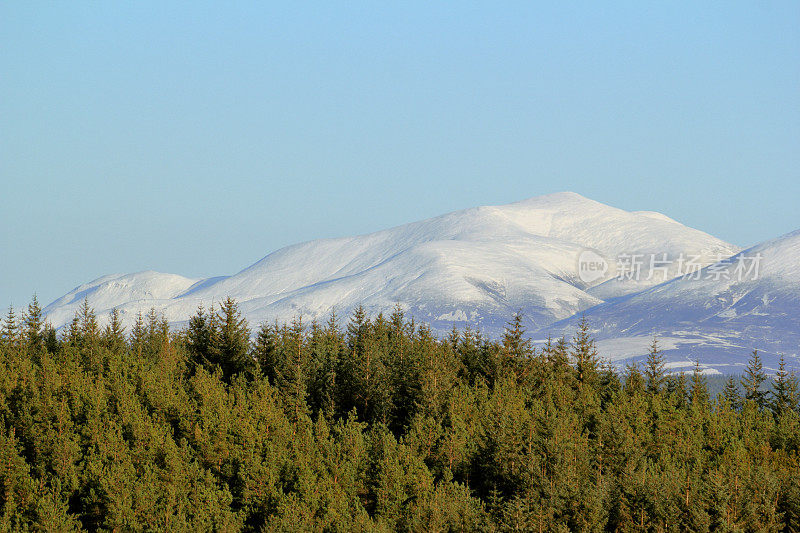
(477, 266)
(717, 316)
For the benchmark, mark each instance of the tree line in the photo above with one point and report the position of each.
(376, 424)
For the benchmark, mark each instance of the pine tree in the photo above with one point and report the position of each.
(114, 334)
(325, 347)
(793, 390)
(677, 390)
(634, 381)
(517, 351)
(198, 338)
(32, 325)
(265, 351)
(90, 330)
(752, 381)
(50, 338)
(699, 390)
(9, 334)
(292, 371)
(584, 352)
(72, 335)
(90, 337)
(730, 394)
(781, 393)
(138, 336)
(231, 341)
(354, 366)
(654, 369)
(514, 343)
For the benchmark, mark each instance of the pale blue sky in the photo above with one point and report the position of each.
(195, 138)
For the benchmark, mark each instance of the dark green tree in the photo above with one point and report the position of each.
(33, 324)
(9, 333)
(584, 353)
(138, 336)
(198, 337)
(114, 334)
(230, 341)
(781, 390)
(654, 369)
(752, 381)
(698, 393)
(730, 394)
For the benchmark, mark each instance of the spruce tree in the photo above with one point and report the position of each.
(265, 351)
(677, 389)
(138, 336)
(752, 381)
(90, 337)
(730, 394)
(793, 390)
(33, 324)
(654, 369)
(514, 341)
(231, 340)
(699, 389)
(50, 338)
(781, 393)
(72, 334)
(584, 353)
(114, 334)
(292, 371)
(634, 381)
(9, 334)
(198, 338)
(90, 330)
(517, 350)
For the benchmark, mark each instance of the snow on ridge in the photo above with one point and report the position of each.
(717, 318)
(475, 266)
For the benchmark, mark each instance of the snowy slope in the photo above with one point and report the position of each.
(476, 266)
(717, 319)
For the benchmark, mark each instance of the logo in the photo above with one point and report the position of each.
(591, 266)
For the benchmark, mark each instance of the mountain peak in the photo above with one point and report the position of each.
(471, 267)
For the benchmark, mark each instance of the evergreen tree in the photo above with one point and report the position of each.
(90, 330)
(231, 340)
(752, 381)
(89, 336)
(793, 391)
(634, 381)
(326, 347)
(114, 334)
(138, 336)
(516, 349)
(198, 338)
(730, 394)
(677, 389)
(50, 338)
(699, 389)
(584, 353)
(9, 334)
(781, 393)
(72, 334)
(33, 324)
(654, 369)
(292, 370)
(265, 351)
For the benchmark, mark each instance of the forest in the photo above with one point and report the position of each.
(375, 424)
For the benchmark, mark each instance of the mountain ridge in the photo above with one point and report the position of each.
(475, 267)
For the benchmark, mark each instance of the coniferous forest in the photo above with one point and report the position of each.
(365, 424)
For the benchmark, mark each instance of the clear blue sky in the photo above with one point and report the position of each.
(195, 138)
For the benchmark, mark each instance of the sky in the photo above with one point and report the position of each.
(195, 138)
